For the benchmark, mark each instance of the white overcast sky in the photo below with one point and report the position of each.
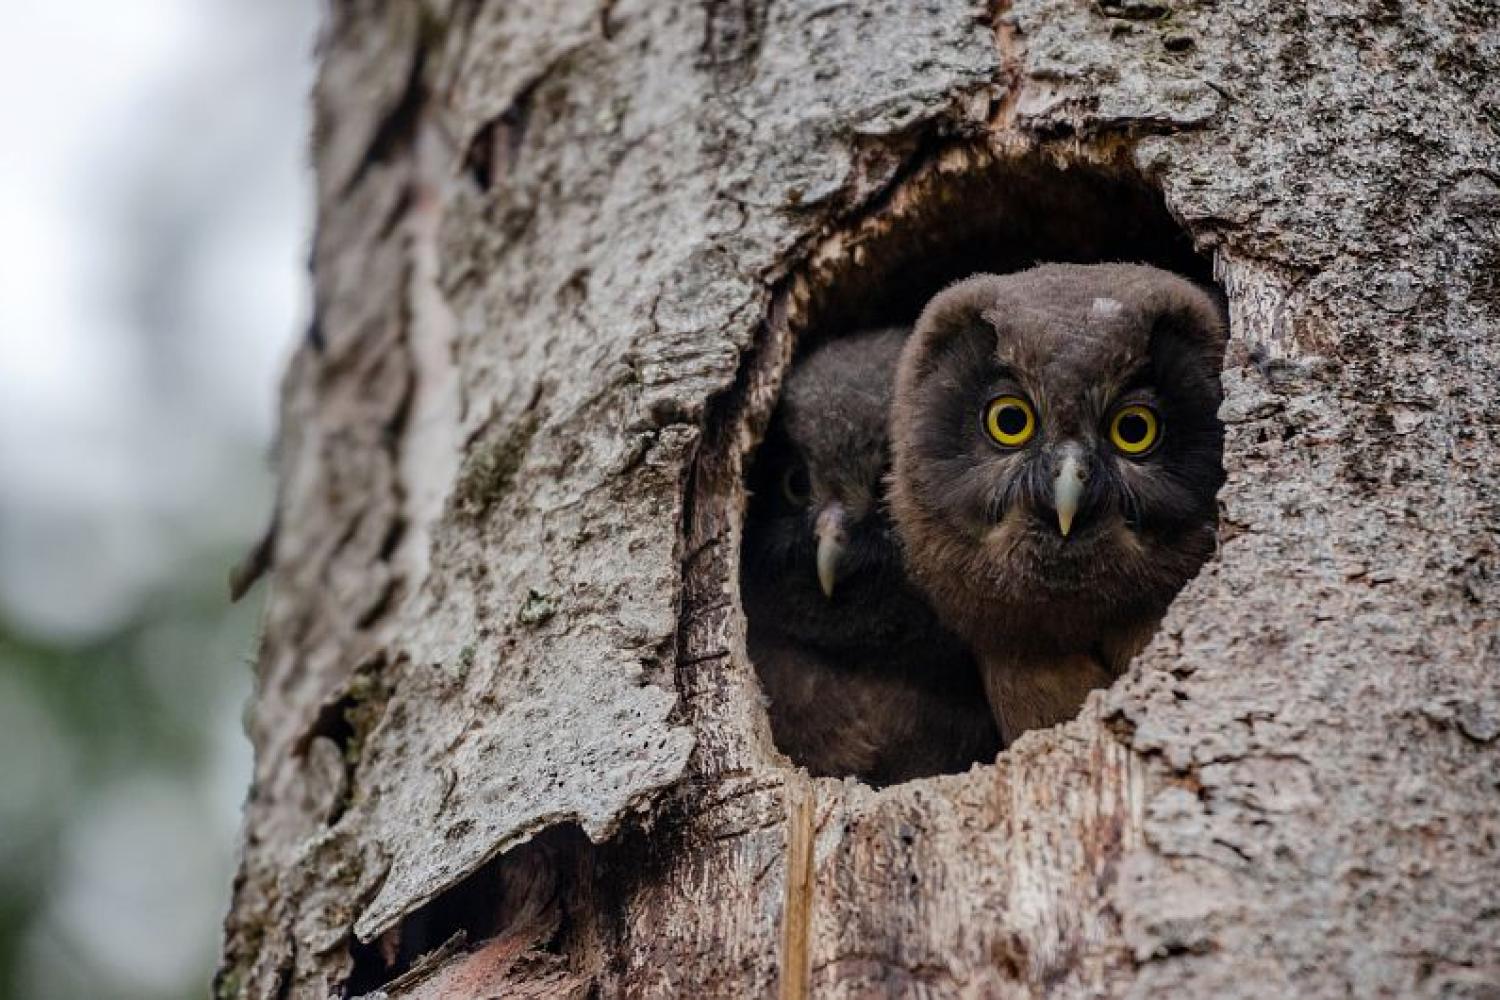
(153, 218)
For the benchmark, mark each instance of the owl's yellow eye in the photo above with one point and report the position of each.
(1134, 429)
(1010, 421)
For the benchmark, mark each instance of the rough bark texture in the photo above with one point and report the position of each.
(508, 743)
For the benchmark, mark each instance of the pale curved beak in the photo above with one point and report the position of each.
(829, 531)
(1067, 488)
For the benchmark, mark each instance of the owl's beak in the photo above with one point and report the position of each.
(1067, 488)
(829, 531)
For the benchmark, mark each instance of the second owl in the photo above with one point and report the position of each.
(861, 678)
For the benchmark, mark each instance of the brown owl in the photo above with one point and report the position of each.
(860, 677)
(1056, 457)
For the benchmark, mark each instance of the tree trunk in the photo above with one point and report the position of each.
(508, 742)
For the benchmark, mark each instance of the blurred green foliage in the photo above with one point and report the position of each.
(156, 207)
(121, 767)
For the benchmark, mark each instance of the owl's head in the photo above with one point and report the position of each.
(1056, 448)
(821, 557)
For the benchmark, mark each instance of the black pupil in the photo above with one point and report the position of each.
(797, 484)
(1011, 420)
(1133, 428)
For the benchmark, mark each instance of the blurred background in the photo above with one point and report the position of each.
(154, 213)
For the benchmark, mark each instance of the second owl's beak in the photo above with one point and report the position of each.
(829, 531)
(1067, 488)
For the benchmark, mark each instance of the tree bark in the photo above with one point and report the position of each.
(508, 742)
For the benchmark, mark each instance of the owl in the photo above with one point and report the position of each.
(860, 677)
(1056, 454)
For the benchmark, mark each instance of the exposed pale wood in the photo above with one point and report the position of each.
(797, 905)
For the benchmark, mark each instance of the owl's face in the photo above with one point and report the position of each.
(1057, 449)
(821, 558)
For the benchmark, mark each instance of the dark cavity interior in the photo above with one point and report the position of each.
(996, 218)
(1000, 219)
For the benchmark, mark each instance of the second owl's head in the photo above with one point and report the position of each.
(1055, 439)
(820, 555)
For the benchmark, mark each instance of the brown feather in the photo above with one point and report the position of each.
(1052, 617)
(865, 682)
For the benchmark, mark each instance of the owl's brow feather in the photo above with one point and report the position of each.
(1137, 377)
(1005, 372)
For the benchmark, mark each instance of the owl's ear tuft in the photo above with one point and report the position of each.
(1184, 308)
(958, 310)
(1191, 328)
